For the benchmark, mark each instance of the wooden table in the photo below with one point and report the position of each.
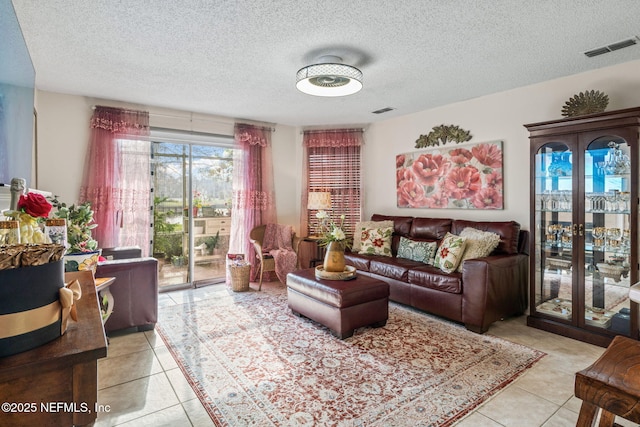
(57, 383)
(611, 384)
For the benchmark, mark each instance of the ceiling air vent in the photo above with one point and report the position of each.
(622, 44)
(610, 48)
(596, 52)
(382, 110)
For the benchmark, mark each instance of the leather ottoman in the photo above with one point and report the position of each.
(342, 306)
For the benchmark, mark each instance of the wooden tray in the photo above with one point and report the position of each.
(348, 273)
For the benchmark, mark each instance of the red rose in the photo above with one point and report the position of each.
(35, 205)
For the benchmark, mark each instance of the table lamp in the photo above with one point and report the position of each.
(319, 201)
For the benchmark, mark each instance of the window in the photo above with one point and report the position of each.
(333, 165)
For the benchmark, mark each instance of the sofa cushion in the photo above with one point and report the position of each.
(433, 278)
(393, 268)
(450, 253)
(479, 244)
(429, 228)
(401, 224)
(363, 225)
(359, 261)
(376, 241)
(421, 251)
(509, 232)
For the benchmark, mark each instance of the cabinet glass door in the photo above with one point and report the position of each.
(554, 231)
(607, 242)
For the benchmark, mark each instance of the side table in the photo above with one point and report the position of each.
(106, 299)
(319, 252)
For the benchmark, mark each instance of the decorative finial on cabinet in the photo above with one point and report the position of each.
(588, 102)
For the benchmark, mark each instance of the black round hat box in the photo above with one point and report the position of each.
(27, 288)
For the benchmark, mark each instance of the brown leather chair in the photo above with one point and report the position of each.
(135, 290)
(267, 263)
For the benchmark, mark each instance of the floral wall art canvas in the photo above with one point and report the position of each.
(456, 177)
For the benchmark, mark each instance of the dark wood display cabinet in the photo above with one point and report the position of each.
(584, 223)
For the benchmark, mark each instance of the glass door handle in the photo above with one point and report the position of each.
(581, 229)
(575, 229)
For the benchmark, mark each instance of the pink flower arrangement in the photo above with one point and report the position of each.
(469, 178)
(463, 182)
(487, 198)
(460, 156)
(428, 168)
(488, 154)
(411, 194)
(437, 201)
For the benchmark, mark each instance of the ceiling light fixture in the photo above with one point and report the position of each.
(329, 77)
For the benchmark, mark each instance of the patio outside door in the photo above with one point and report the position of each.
(191, 212)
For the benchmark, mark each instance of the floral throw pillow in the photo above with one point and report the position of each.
(479, 244)
(363, 226)
(450, 253)
(417, 251)
(376, 241)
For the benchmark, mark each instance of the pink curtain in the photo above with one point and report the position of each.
(253, 189)
(341, 177)
(116, 177)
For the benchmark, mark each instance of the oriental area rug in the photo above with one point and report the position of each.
(253, 363)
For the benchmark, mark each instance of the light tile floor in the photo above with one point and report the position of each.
(143, 385)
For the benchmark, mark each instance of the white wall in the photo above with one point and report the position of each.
(63, 135)
(495, 117)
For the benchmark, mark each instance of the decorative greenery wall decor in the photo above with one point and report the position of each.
(443, 134)
(591, 101)
(467, 177)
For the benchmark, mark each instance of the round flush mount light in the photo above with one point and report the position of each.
(329, 77)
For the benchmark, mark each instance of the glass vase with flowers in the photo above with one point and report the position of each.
(198, 202)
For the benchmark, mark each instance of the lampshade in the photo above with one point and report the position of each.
(329, 78)
(319, 201)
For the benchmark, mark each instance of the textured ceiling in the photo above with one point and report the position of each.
(239, 58)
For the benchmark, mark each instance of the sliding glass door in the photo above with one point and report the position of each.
(192, 211)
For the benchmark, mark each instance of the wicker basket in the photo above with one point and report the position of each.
(240, 277)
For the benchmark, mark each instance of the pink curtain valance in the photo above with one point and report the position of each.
(333, 138)
(119, 121)
(252, 135)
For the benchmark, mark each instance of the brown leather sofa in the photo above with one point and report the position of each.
(488, 289)
(135, 290)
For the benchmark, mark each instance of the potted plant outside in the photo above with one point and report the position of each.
(178, 260)
(163, 232)
(212, 242)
